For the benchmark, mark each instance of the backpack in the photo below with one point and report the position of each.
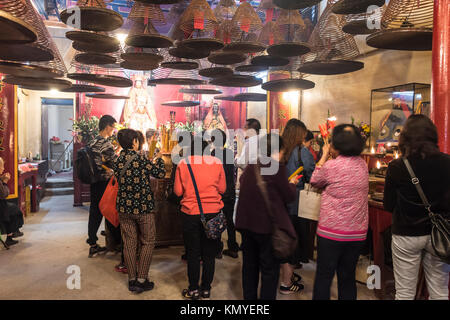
(85, 166)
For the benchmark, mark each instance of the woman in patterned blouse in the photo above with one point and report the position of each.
(135, 205)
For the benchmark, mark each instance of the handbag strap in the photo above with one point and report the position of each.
(416, 183)
(197, 194)
(127, 164)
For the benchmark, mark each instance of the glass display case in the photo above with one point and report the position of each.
(389, 109)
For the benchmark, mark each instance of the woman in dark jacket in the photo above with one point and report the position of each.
(254, 222)
(411, 227)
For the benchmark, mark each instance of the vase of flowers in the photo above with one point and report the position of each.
(85, 128)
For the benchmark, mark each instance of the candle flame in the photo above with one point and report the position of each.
(378, 165)
(372, 150)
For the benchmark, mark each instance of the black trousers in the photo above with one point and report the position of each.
(338, 257)
(199, 247)
(11, 219)
(258, 259)
(228, 210)
(95, 216)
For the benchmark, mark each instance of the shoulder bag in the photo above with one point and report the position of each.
(283, 244)
(107, 205)
(309, 203)
(215, 226)
(440, 226)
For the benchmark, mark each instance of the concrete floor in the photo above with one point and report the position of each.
(55, 239)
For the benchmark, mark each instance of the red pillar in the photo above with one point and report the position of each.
(440, 98)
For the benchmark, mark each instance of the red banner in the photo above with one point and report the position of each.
(8, 134)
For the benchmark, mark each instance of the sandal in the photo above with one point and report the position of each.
(192, 295)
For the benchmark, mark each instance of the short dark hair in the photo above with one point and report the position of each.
(419, 137)
(349, 143)
(150, 133)
(126, 138)
(254, 124)
(141, 139)
(266, 141)
(217, 133)
(309, 136)
(105, 121)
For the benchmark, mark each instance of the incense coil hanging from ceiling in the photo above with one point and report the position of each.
(151, 12)
(94, 16)
(248, 22)
(295, 4)
(333, 50)
(42, 53)
(270, 34)
(355, 6)
(225, 10)
(362, 23)
(289, 23)
(199, 17)
(144, 35)
(14, 30)
(176, 11)
(405, 25)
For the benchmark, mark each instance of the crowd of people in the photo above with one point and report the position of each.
(211, 179)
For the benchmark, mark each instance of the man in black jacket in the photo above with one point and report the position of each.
(218, 138)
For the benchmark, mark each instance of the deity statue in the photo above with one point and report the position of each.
(214, 119)
(138, 112)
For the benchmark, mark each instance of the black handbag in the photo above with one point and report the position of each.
(283, 244)
(440, 225)
(215, 226)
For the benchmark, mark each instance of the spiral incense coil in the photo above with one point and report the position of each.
(270, 34)
(362, 23)
(198, 16)
(80, 88)
(94, 16)
(176, 11)
(144, 35)
(14, 30)
(225, 10)
(151, 12)
(215, 72)
(405, 25)
(295, 4)
(247, 20)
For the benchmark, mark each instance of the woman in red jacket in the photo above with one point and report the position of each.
(210, 179)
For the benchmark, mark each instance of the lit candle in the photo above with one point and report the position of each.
(396, 155)
(372, 150)
(378, 165)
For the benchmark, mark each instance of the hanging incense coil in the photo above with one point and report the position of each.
(203, 44)
(151, 12)
(14, 30)
(224, 98)
(355, 6)
(405, 25)
(236, 81)
(285, 85)
(266, 5)
(226, 31)
(247, 19)
(105, 96)
(80, 88)
(181, 103)
(37, 83)
(288, 49)
(333, 50)
(138, 66)
(362, 23)
(251, 68)
(148, 58)
(180, 65)
(176, 11)
(198, 16)
(94, 58)
(229, 32)
(227, 58)
(215, 72)
(175, 81)
(270, 34)
(250, 96)
(102, 79)
(270, 61)
(26, 70)
(186, 53)
(144, 35)
(199, 91)
(95, 47)
(225, 10)
(295, 4)
(290, 22)
(92, 37)
(94, 16)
